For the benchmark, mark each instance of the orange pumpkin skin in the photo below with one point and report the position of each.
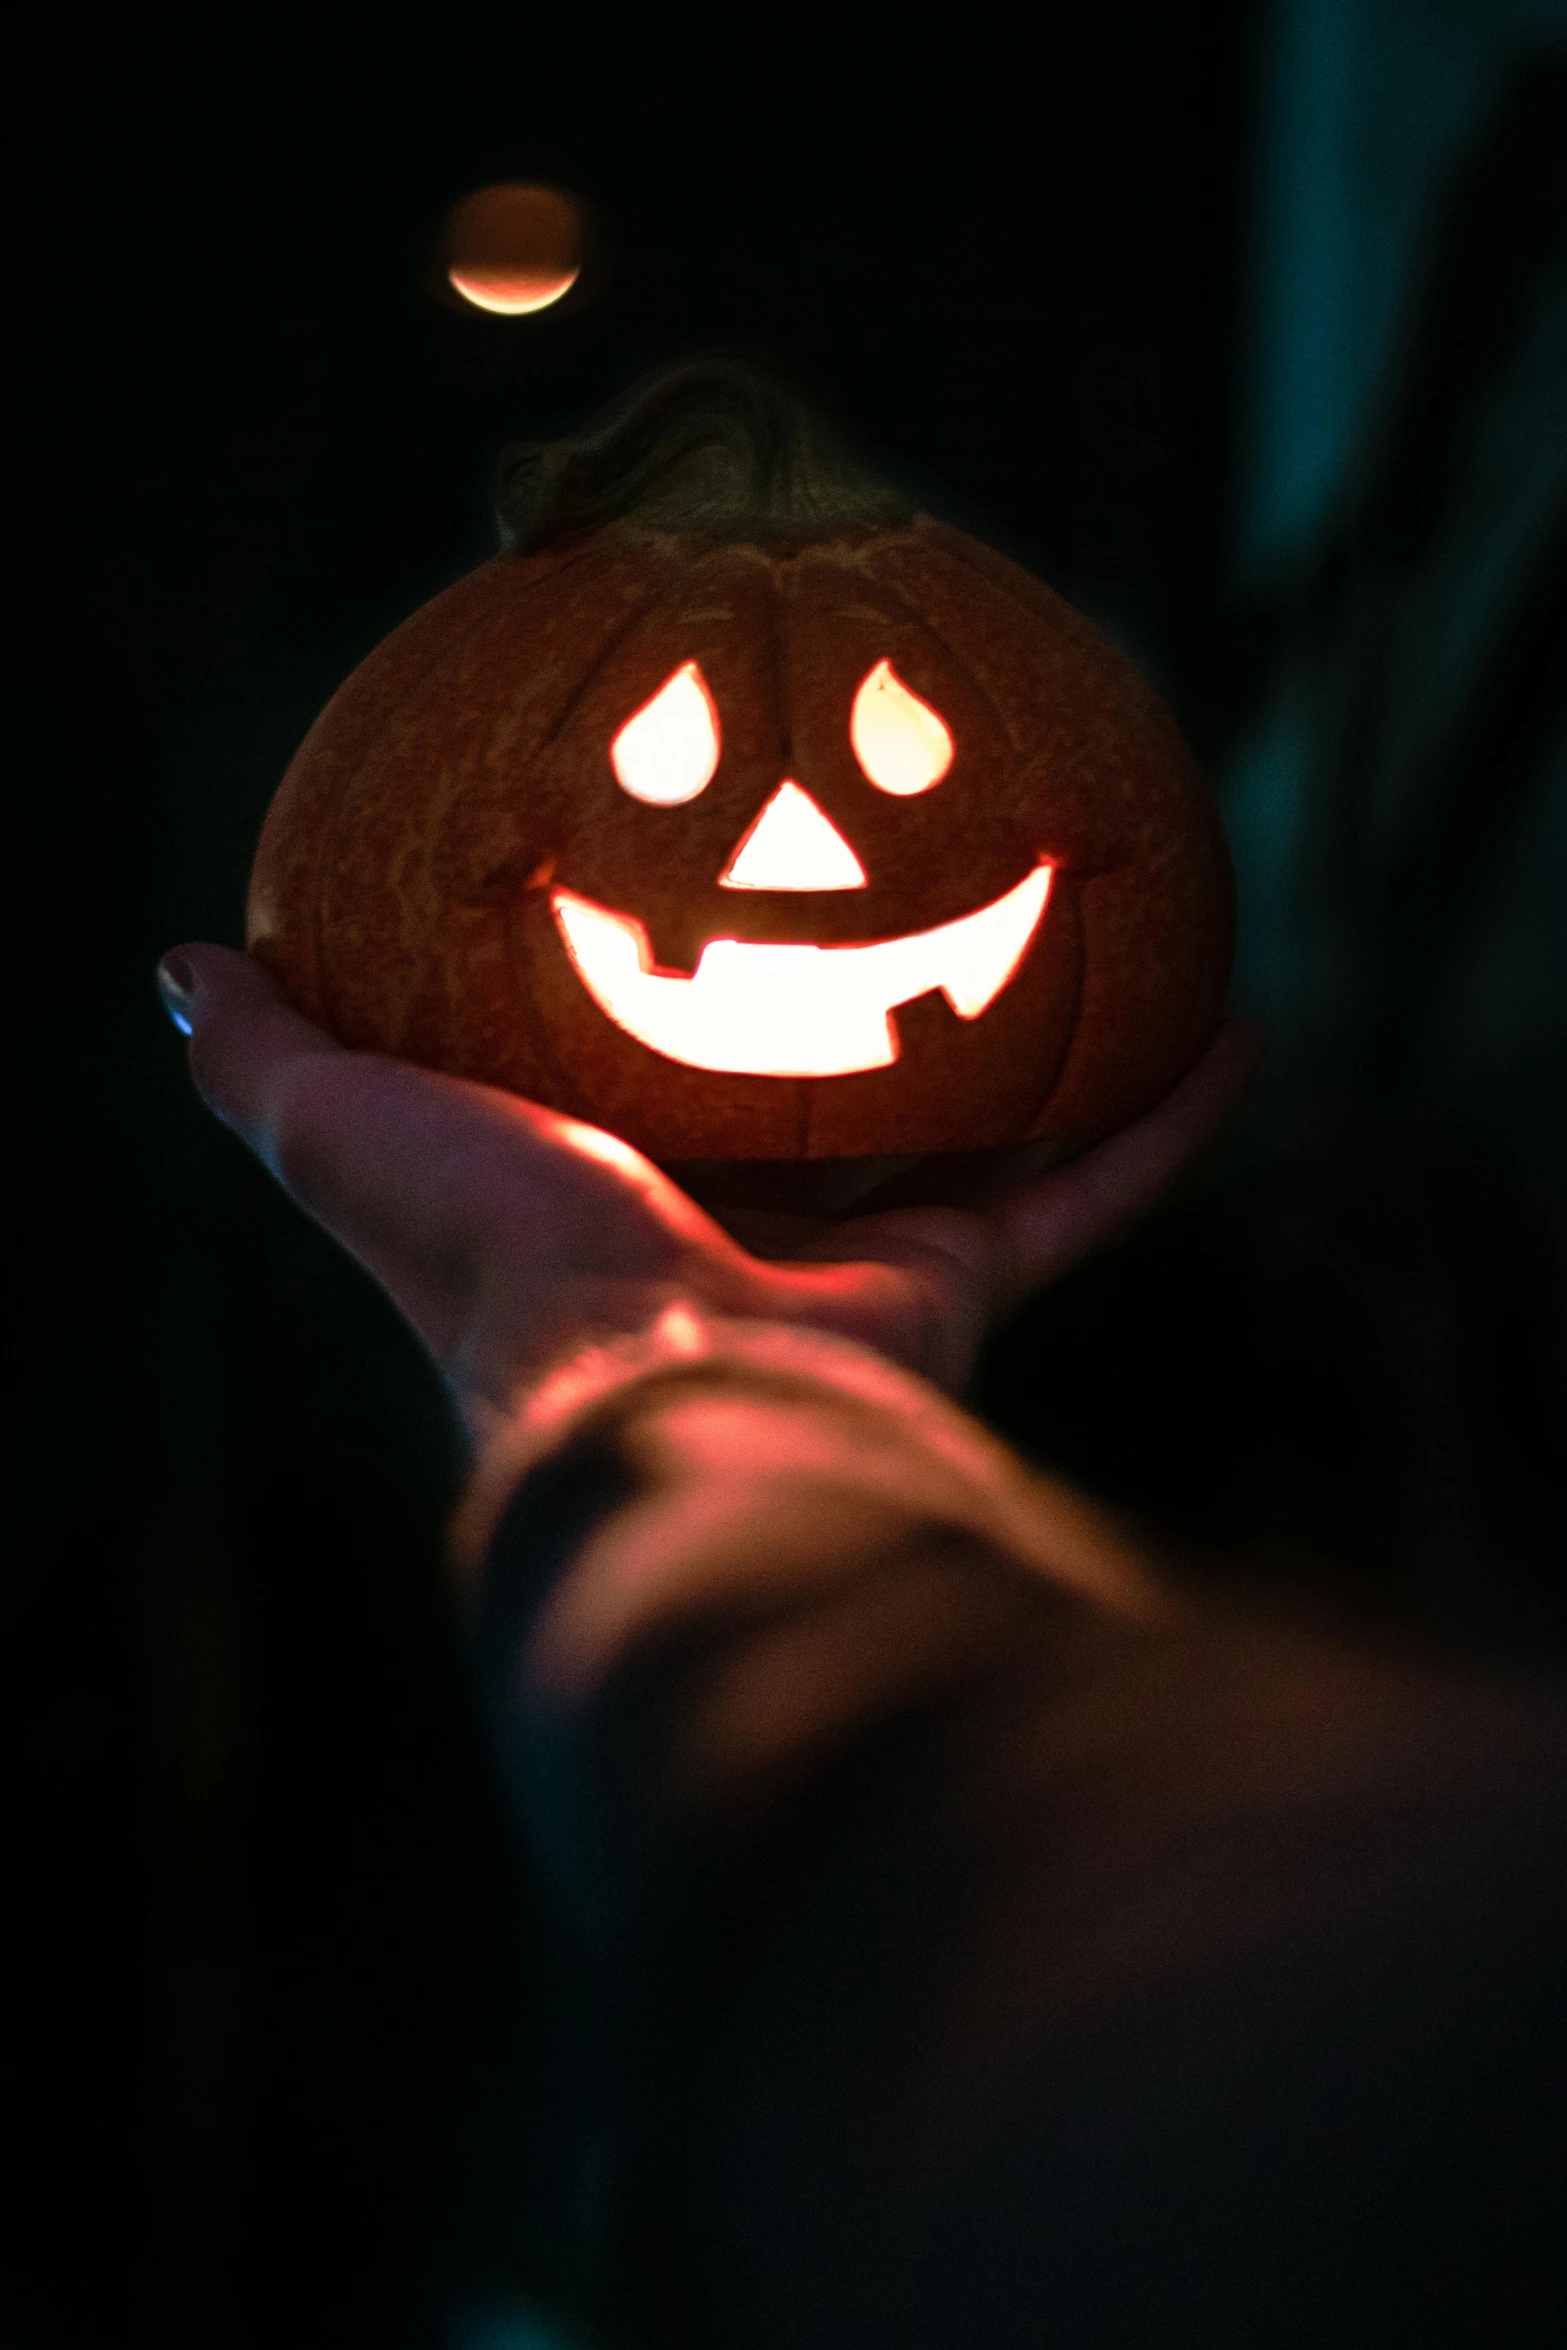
(402, 887)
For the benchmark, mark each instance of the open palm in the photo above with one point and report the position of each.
(508, 1234)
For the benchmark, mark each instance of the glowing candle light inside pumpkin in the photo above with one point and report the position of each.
(900, 742)
(666, 751)
(792, 845)
(788, 1010)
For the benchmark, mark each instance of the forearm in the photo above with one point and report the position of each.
(926, 1864)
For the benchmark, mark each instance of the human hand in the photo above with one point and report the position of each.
(509, 1235)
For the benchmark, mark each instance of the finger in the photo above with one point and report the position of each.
(345, 1131)
(1046, 1226)
(243, 1032)
(354, 1139)
(439, 1186)
(342, 1131)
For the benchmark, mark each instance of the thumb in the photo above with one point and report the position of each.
(1048, 1225)
(244, 1035)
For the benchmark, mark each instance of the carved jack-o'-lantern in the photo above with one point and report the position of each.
(740, 810)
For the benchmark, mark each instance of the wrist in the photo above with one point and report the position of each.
(598, 1376)
(908, 1439)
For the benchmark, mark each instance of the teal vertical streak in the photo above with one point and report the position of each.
(1363, 107)
(1302, 359)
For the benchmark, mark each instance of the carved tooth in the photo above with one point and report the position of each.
(789, 1010)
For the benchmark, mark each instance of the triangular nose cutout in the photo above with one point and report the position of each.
(792, 845)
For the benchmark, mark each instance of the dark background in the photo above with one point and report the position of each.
(273, 2005)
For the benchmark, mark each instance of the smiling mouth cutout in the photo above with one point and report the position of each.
(761, 1010)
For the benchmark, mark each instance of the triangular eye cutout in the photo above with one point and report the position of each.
(666, 751)
(901, 744)
(792, 845)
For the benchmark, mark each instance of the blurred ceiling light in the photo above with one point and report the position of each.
(512, 293)
(512, 248)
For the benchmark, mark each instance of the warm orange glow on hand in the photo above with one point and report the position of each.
(512, 293)
(666, 751)
(793, 845)
(899, 741)
(795, 1011)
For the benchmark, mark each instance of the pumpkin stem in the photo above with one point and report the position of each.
(714, 446)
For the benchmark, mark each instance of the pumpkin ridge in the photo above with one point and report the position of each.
(1016, 590)
(519, 948)
(959, 659)
(781, 642)
(973, 565)
(1080, 643)
(778, 647)
(1011, 581)
(589, 676)
(1040, 1123)
(409, 683)
(335, 815)
(306, 804)
(387, 716)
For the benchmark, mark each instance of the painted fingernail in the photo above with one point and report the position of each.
(177, 986)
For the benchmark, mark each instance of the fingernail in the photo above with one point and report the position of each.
(177, 986)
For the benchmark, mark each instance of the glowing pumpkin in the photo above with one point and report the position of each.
(738, 809)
